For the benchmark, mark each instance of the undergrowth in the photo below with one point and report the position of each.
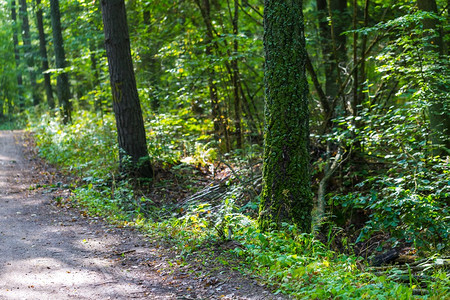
(11, 123)
(289, 261)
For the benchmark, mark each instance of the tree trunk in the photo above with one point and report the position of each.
(126, 105)
(286, 194)
(220, 122)
(355, 101)
(235, 78)
(150, 63)
(334, 51)
(95, 72)
(329, 63)
(362, 95)
(28, 50)
(339, 24)
(62, 81)
(439, 110)
(17, 55)
(44, 57)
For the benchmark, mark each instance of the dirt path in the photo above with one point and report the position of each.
(51, 253)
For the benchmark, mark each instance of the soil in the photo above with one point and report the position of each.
(52, 252)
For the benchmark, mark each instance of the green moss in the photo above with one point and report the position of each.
(286, 194)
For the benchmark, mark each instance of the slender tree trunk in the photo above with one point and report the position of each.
(333, 22)
(62, 81)
(439, 110)
(44, 56)
(326, 42)
(339, 24)
(363, 51)
(286, 195)
(334, 53)
(126, 105)
(235, 78)
(432, 24)
(219, 120)
(17, 55)
(3, 100)
(149, 62)
(93, 47)
(26, 38)
(355, 94)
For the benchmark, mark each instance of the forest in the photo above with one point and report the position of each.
(307, 142)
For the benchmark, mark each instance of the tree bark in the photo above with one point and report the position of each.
(432, 24)
(286, 195)
(126, 105)
(62, 81)
(44, 56)
(362, 96)
(26, 38)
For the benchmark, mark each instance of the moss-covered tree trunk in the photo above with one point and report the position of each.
(286, 194)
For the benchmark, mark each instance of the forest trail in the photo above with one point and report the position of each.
(53, 253)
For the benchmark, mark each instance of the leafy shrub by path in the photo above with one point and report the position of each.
(87, 147)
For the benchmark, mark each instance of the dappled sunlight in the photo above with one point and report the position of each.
(4, 158)
(50, 270)
(48, 253)
(95, 244)
(37, 276)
